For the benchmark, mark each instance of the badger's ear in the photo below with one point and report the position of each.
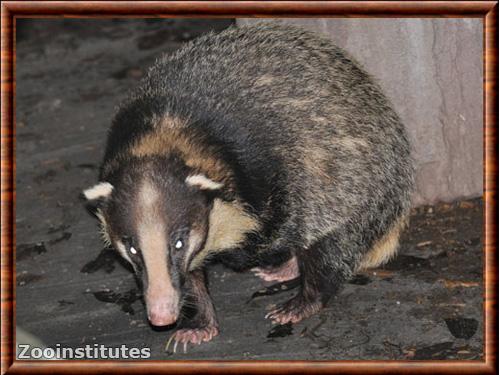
(101, 191)
(203, 182)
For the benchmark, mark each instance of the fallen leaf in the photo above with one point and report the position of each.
(410, 353)
(445, 207)
(381, 273)
(424, 243)
(466, 204)
(450, 284)
(451, 304)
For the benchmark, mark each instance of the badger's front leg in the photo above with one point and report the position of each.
(202, 325)
(323, 268)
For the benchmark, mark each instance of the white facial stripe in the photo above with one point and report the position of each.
(148, 197)
(195, 239)
(203, 182)
(101, 190)
(152, 242)
(154, 252)
(123, 251)
(104, 228)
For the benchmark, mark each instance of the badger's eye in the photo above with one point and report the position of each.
(179, 239)
(128, 242)
(179, 244)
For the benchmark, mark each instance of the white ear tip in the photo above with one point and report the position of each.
(203, 182)
(101, 190)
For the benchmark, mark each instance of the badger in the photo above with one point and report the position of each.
(266, 148)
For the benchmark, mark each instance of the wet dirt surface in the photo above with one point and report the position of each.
(425, 304)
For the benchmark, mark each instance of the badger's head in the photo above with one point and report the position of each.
(155, 211)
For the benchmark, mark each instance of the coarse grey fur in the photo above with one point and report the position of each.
(318, 155)
(346, 152)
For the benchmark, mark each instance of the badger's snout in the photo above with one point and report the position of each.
(163, 309)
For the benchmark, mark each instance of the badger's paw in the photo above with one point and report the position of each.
(294, 310)
(191, 336)
(287, 271)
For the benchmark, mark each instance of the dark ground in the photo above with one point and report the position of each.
(426, 304)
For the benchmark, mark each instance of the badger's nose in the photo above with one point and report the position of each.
(161, 313)
(162, 320)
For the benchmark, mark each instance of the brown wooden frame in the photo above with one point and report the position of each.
(487, 10)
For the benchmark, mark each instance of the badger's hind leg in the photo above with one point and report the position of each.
(285, 272)
(323, 268)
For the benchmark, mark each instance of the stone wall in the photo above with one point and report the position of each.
(432, 70)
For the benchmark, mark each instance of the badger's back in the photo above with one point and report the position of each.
(297, 118)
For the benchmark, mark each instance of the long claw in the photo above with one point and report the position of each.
(169, 341)
(293, 311)
(191, 336)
